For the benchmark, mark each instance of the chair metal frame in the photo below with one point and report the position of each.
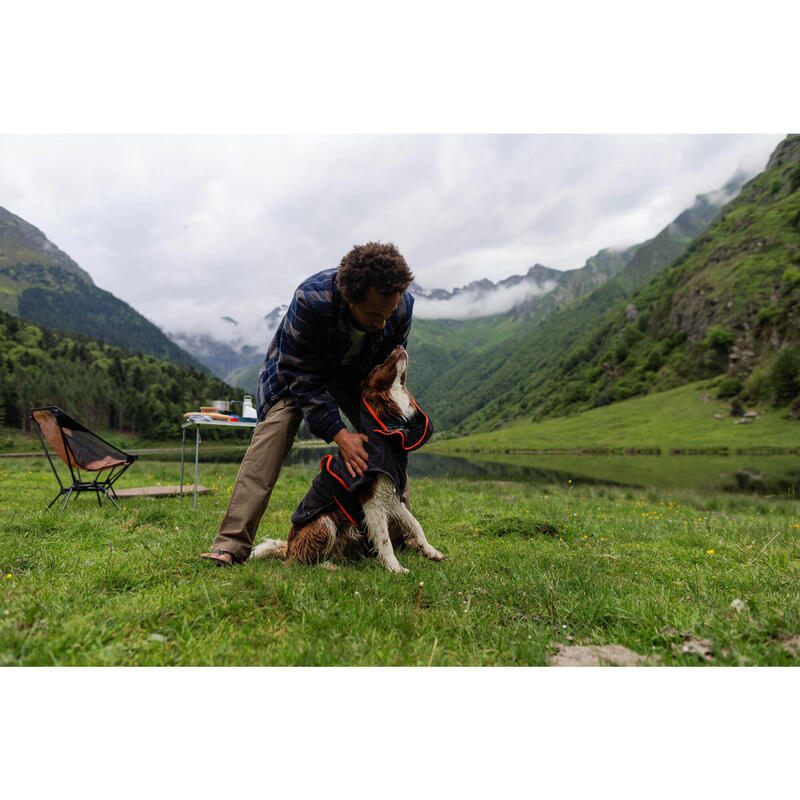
(102, 487)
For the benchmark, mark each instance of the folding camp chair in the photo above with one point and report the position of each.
(80, 449)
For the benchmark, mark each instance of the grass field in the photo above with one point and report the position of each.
(529, 567)
(679, 418)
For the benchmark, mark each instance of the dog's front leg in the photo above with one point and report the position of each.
(418, 539)
(378, 532)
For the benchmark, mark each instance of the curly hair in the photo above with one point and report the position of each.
(372, 264)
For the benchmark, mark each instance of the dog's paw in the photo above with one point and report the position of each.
(275, 548)
(434, 555)
(396, 567)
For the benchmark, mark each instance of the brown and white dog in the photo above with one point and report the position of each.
(341, 517)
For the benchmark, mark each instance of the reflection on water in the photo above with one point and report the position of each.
(777, 474)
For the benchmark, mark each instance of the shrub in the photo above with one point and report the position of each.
(784, 374)
(794, 178)
(758, 385)
(737, 409)
(792, 276)
(718, 338)
(775, 186)
(678, 338)
(654, 361)
(631, 335)
(767, 314)
(730, 387)
(629, 388)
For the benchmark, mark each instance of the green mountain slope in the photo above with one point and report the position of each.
(104, 386)
(484, 385)
(438, 345)
(730, 304)
(42, 284)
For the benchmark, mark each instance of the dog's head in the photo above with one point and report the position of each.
(385, 387)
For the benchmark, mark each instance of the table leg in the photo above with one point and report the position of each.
(196, 459)
(183, 450)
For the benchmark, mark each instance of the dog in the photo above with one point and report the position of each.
(343, 517)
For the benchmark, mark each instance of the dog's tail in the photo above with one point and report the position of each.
(270, 548)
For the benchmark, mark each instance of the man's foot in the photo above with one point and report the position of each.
(222, 558)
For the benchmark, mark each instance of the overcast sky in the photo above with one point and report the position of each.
(188, 229)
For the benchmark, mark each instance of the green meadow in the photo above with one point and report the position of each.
(683, 418)
(675, 577)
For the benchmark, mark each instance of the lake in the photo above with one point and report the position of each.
(762, 474)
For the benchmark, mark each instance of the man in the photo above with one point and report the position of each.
(341, 323)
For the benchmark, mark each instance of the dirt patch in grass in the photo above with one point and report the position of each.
(690, 643)
(791, 644)
(580, 655)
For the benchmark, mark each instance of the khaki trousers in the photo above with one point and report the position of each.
(271, 441)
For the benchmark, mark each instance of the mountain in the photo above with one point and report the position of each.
(453, 329)
(461, 368)
(41, 283)
(728, 306)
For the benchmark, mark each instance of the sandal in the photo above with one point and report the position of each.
(222, 558)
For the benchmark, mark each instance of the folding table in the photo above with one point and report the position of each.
(205, 423)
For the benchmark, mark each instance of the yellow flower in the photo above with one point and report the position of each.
(710, 552)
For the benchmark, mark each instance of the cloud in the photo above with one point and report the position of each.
(469, 304)
(189, 229)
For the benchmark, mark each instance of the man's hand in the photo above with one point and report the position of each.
(352, 450)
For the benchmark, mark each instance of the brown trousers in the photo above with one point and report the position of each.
(271, 441)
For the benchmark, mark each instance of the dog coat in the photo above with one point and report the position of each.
(388, 444)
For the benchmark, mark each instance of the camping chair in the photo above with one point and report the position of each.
(80, 449)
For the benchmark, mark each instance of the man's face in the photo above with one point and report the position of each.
(373, 311)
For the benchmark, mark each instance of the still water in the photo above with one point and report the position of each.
(775, 474)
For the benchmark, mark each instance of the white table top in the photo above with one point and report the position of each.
(221, 423)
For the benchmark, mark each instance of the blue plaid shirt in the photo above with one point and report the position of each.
(307, 350)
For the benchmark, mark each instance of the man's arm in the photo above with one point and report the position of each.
(302, 361)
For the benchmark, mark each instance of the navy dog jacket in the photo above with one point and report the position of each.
(388, 444)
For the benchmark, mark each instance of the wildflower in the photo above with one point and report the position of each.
(9, 575)
(710, 552)
(602, 539)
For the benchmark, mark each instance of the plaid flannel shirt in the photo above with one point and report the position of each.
(307, 350)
